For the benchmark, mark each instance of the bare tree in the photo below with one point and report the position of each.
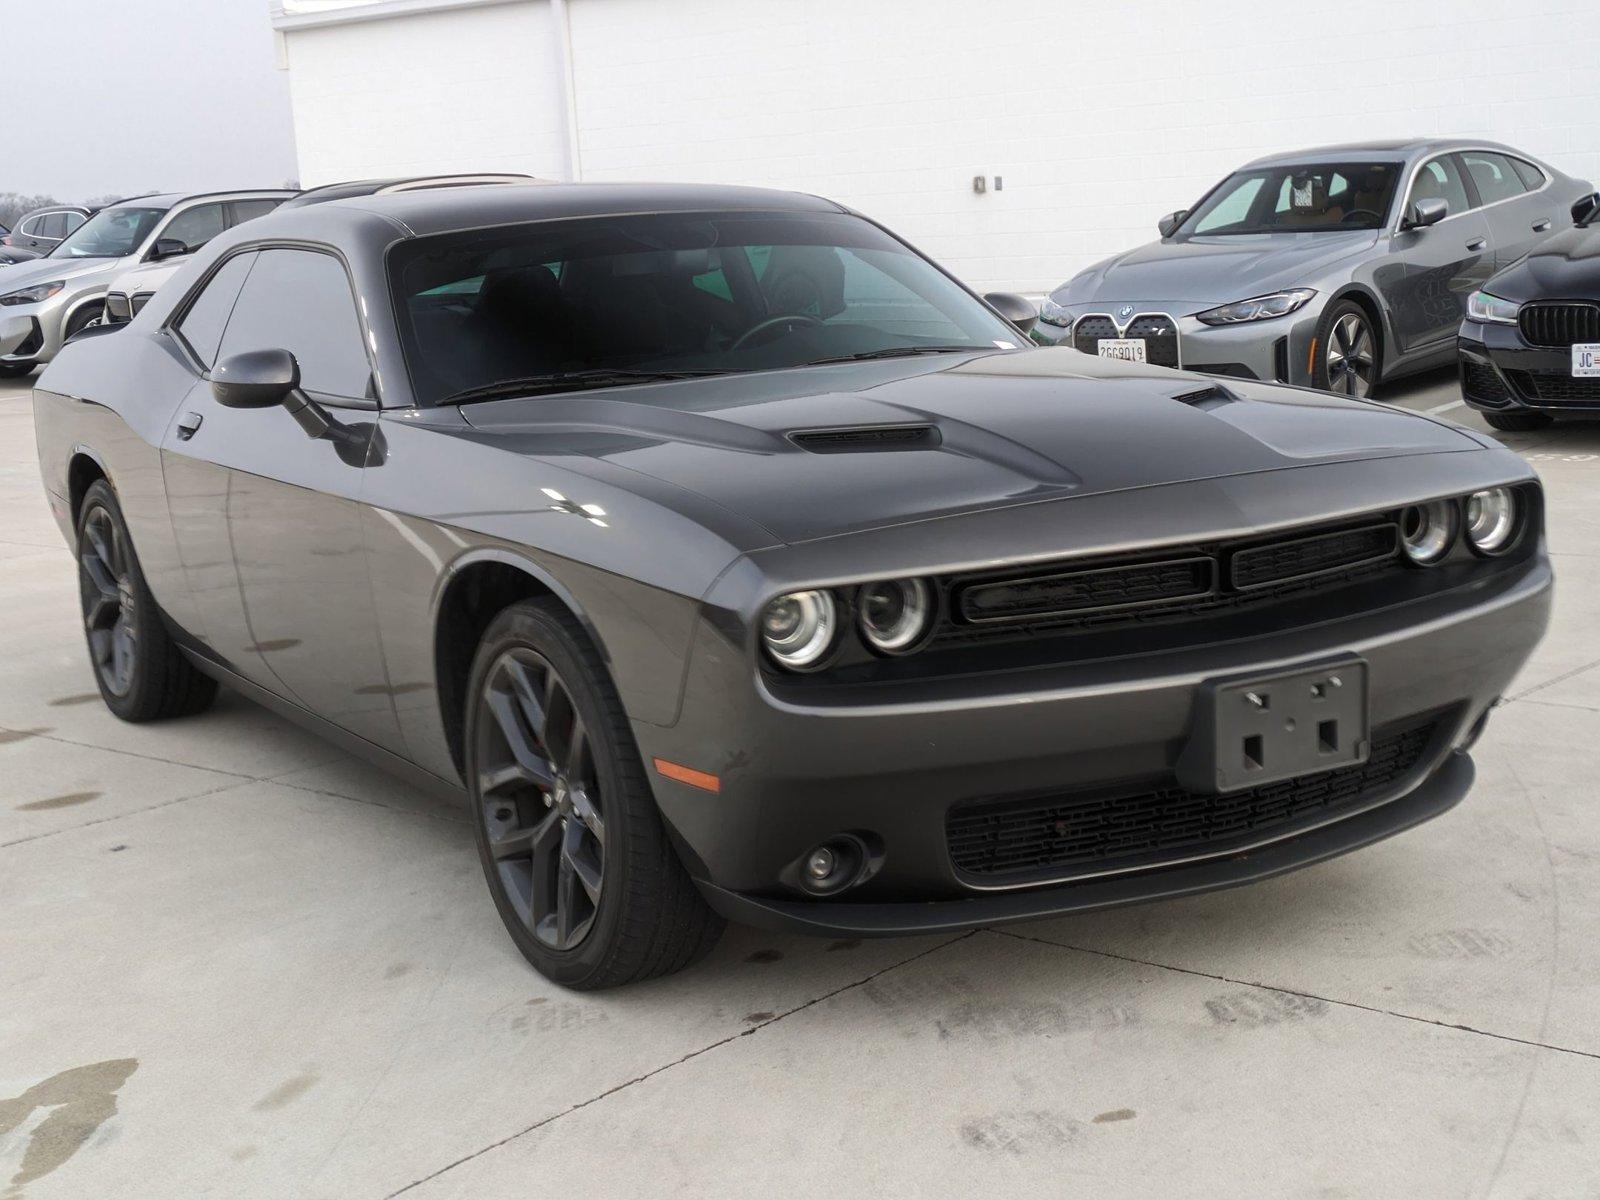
(14, 204)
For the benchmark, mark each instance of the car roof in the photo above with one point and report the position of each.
(172, 199)
(443, 210)
(405, 183)
(1396, 150)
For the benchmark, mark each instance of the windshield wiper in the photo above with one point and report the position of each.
(571, 381)
(897, 352)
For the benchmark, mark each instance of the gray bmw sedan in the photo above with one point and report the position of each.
(1335, 267)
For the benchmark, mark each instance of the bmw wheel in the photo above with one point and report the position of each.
(572, 846)
(1347, 358)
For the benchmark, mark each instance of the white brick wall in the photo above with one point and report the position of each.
(1099, 117)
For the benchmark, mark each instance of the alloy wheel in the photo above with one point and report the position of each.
(110, 605)
(1350, 356)
(539, 798)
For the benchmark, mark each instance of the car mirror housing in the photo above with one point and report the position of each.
(1168, 225)
(1584, 208)
(1427, 212)
(1014, 308)
(256, 379)
(167, 248)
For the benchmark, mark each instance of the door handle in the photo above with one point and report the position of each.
(1542, 225)
(188, 424)
(1477, 243)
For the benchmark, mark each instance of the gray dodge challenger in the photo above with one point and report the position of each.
(1336, 267)
(729, 559)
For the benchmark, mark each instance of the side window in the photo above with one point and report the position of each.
(201, 327)
(196, 226)
(249, 210)
(53, 226)
(1493, 176)
(74, 219)
(1532, 178)
(300, 301)
(1439, 180)
(1232, 208)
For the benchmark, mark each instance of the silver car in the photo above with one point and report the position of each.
(1336, 267)
(45, 301)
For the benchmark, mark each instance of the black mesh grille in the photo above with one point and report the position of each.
(118, 309)
(1258, 566)
(1480, 382)
(1090, 330)
(1086, 591)
(1555, 389)
(1559, 325)
(1125, 827)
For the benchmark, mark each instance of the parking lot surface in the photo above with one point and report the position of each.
(236, 962)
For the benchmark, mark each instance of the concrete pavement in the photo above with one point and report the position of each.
(235, 962)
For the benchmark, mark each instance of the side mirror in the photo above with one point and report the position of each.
(1168, 225)
(166, 248)
(1014, 309)
(256, 379)
(1585, 207)
(1427, 212)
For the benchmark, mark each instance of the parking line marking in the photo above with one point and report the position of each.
(1444, 408)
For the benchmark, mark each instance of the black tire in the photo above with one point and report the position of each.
(1517, 422)
(14, 370)
(571, 842)
(1349, 352)
(141, 673)
(81, 320)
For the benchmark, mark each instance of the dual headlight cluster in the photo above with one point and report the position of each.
(1493, 520)
(800, 629)
(36, 294)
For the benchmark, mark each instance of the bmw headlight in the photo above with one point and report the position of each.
(895, 615)
(1491, 310)
(1259, 308)
(1428, 531)
(798, 628)
(1052, 313)
(36, 294)
(1492, 518)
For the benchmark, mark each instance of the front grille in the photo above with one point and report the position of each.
(1301, 558)
(1559, 325)
(1095, 590)
(1159, 333)
(1555, 388)
(1480, 382)
(118, 309)
(140, 299)
(1126, 827)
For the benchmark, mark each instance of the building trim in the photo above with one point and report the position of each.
(284, 20)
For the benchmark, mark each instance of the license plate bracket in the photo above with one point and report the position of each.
(1122, 349)
(1258, 729)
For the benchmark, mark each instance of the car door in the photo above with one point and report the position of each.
(1518, 218)
(1443, 263)
(284, 504)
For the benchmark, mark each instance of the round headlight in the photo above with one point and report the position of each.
(1428, 530)
(1492, 520)
(895, 614)
(798, 628)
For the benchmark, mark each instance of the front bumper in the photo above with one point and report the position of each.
(43, 325)
(1501, 373)
(1278, 349)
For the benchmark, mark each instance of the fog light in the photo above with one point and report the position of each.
(821, 863)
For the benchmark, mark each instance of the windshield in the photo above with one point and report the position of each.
(110, 233)
(691, 294)
(1308, 198)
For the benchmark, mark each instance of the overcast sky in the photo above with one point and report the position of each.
(141, 95)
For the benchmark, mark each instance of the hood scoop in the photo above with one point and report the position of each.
(1208, 397)
(867, 439)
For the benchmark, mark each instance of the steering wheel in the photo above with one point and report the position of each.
(1360, 212)
(760, 327)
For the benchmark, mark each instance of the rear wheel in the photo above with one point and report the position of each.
(1347, 357)
(1517, 422)
(575, 854)
(142, 674)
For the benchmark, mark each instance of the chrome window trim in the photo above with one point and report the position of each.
(1411, 182)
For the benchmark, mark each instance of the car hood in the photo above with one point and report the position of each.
(38, 270)
(147, 277)
(1566, 266)
(1006, 428)
(1199, 272)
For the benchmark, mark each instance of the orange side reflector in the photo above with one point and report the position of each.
(703, 780)
(1311, 359)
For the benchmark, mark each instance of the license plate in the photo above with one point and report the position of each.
(1250, 731)
(1585, 360)
(1127, 349)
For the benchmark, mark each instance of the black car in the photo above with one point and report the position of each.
(728, 558)
(1529, 350)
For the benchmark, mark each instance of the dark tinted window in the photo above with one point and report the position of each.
(1493, 176)
(54, 225)
(1303, 198)
(207, 317)
(300, 301)
(1439, 180)
(249, 210)
(74, 219)
(196, 226)
(1532, 178)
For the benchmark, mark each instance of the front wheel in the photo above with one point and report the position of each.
(1347, 351)
(573, 848)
